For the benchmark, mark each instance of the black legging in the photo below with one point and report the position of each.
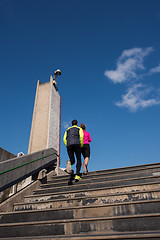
(75, 148)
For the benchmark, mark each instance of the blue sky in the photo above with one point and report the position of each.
(109, 55)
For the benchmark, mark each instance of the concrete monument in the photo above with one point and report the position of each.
(46, 121)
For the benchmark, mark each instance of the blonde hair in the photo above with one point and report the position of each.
(83, 126)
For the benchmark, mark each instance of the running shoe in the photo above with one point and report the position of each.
(77, 178)
(68, 167)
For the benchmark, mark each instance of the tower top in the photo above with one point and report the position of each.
(53, 79)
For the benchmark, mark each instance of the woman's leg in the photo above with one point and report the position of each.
(86, 160)
(86, 154)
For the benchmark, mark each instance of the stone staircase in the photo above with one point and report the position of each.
(119, 203)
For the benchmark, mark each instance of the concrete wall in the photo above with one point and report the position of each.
(17, 169)
(45, 130)
(7, 199)
(5, 155)
(10, 181)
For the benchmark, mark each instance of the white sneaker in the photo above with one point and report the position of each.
(84, 169)
(68, 167)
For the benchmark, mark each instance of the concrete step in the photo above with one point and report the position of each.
(93, 192)
(109, 210)
(144, 235)
(143, 222)
(151, 170)
(100, 178)
(89, 200)
(150, 167)
(96, 185)
(111, 204)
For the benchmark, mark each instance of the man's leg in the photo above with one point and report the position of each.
(77, 149)
(70, 150)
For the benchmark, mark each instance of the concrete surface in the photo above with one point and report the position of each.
(17, 173)
(5, 155)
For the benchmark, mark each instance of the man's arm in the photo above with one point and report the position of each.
(81, 136)
(65, 138)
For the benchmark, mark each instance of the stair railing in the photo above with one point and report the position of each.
(17, 169)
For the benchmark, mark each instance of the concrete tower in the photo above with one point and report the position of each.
(46, 121)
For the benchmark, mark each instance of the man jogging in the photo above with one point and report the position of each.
(73, 139)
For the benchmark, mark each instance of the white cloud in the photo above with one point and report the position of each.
(136, 52)
(137, 97)
(65, 124)
(128, 63)
(155, 70)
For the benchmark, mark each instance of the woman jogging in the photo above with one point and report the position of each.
(86, 148)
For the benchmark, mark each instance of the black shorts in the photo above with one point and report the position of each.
(86, 150)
